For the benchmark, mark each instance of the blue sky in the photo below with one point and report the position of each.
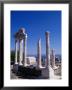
(36, 24)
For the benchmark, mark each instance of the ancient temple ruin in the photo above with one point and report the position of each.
(24, 60)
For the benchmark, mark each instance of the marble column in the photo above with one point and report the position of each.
(48, 53)
(16, 51)
(53, 58)
(25, 50)
(20, 51)
(39, 53)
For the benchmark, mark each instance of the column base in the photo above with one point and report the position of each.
(20, 64)
(55, 67)
(39, 67)
(25, 65)
(16, 62)
(45, 73)
(48, 73)
(51, 72)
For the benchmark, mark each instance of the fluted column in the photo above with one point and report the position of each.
(25, 50)
(53, 58)
(20, 51)
(48, 53)
(39, 54)
(16, 51)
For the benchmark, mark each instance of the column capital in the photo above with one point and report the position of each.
(47, 32)
(22, 30)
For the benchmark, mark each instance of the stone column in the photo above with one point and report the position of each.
(39, 53)
(48, 53)
(20, 51)
(16, 51)
(25, 51)
(53, 58)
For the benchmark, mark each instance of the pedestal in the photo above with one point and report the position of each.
(48, 73)
(45, 73)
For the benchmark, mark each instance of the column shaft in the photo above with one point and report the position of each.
(25, 50)
(16, 51)
(53, 58)
(39, 54)
(48, 53)
(20, 51)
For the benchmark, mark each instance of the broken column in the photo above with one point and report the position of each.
(39, 54)
(46, 70)
(47, 50)
(25, 50)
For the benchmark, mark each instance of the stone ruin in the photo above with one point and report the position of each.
(23, 61)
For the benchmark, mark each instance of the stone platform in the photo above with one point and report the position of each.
(26, 71)
(20, 72)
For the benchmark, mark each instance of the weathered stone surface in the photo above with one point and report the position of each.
(48, 73)
(20, 52)
(52, 58)
(28, 68)
(47, 53)
(25, 50)
(39, 54)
